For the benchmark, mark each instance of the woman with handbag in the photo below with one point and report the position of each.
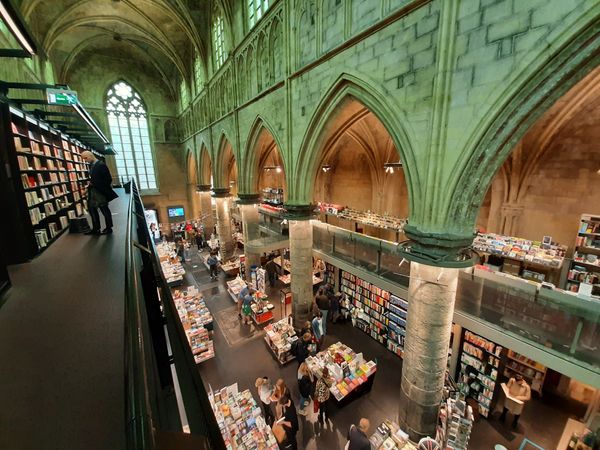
(322, 395)
(305, 383)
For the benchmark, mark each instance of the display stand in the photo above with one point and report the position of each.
(280, 337)
(48, 186)
(352, 374)
(533, 372)
(240, 420)
(170, 264)
(234, 287)
(286, 299)
(262, 310)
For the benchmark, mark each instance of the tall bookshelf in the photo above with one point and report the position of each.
(45, 183)
(585, 266)
(383, 315)
(480, 363)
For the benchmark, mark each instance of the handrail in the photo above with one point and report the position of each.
(139, 423)
(151, 410)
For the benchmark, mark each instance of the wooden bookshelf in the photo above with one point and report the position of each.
(45, 183)
(585, 265)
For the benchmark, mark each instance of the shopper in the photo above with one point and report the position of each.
(272, 272)
(357, 436)
(263, 385)
(180, 250)
(289, 421)
(303, 347)
(322, 395)
(278, 392)
(335, 307)
(519, 392)
(322, 301)
(240, 299)
(199, 241)
(305, 384)
(213, 265)
(99, 194)
(317, 327)
(247, 309)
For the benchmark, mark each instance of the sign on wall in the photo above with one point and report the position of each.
(61, 97)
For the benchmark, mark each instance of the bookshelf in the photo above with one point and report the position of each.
(45, 183)
(585, 266)
(480, 361)
(383, 314)
(532, 371)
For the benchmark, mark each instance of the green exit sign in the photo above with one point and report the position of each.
(61, 97)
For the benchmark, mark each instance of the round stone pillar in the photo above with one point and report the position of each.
(431, 295)
(248, 204)
(301, 246)
(206, 210)
(431, 298)
(224, 222)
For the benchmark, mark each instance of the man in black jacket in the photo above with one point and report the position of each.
(100, 192)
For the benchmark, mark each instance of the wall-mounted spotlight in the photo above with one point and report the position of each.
(326, 168)
(391, 167)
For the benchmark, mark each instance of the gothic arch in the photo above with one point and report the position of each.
(225, 160)
(312, 147)
(521, 106)
(204, 166)
(249, 174)
(191, 167)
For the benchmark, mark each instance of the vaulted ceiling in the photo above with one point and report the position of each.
(163, 33)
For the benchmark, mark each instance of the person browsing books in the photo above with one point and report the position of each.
(99, 194)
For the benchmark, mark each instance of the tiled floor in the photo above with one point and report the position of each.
(542, 420)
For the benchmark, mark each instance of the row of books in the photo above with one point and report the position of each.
(35, 163)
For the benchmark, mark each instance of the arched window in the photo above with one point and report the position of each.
(183, 94)
(128, 122)
(218, 37)
(256, 9)
(198, 73)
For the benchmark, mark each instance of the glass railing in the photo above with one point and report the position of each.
(557, 322)
(372, 254)
(152, 407)
(565, 325)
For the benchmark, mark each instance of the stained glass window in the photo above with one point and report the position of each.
(128, 122)
(198, 73)
(256, 9)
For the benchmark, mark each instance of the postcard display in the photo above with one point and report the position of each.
(50, 181)
(280, 336)
(170, 263)
(377, 312)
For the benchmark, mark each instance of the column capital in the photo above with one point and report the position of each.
(438, 249)
(220, 192)
(298, 212)
(203, 188)
(248, 199)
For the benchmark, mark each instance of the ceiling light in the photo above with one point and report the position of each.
(16, 26)
(390, 167)
(326, 167)
(275, 168)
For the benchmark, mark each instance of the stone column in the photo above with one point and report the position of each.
(431, 295)
(248, 204)
(206, 210)
(301, 243)
(224, 222)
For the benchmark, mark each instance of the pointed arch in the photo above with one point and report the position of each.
(522, 105)
(128, 124)
(249, 178)
(349, 87)
(191, 167)
(204, 166)
(225, 163)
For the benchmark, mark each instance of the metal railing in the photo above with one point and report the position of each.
(152, 414)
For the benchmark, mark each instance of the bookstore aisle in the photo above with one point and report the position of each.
(61, 341)
(249, 357)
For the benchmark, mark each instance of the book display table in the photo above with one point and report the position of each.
(170, 264)
(196, 321)
(279, 338)
(234, 288)
(352, 374)
(262, 309)
(240, 420)
(389, 436)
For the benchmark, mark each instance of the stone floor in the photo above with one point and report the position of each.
(247, 357)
